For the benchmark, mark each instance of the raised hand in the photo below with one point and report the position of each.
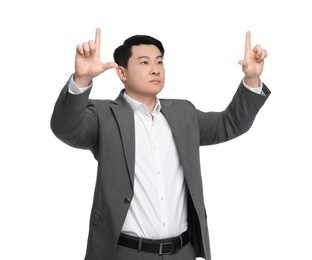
(253, 62)
(88, 63)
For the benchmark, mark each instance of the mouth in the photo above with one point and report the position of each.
(155, 81)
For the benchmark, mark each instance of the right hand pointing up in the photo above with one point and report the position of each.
(88, 63)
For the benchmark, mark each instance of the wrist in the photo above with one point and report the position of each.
(82, 81)
(252, 82)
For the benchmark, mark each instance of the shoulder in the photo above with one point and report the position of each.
(181, 103)
(101, 103)
(99, 107)
(180, 108)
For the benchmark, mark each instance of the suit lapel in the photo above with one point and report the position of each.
(125, 119)
(185, 139)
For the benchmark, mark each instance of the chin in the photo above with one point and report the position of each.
(157, 91)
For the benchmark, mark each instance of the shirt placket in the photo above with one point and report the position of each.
(160, 179)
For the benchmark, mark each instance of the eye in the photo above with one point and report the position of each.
(160, 62)
(144, 62)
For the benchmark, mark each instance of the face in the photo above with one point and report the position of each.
(145, 75)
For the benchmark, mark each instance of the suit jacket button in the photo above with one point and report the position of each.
(127, 200)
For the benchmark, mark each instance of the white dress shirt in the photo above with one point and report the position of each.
(159, 207)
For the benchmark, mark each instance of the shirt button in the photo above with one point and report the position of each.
(127, 200)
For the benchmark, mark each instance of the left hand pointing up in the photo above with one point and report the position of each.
(253, 62)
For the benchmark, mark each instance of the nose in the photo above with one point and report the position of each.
(155, 72)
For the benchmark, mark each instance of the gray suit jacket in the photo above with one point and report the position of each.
(106, 127)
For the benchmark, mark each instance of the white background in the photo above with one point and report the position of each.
(257, 187)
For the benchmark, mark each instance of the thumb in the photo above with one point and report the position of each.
(109, 65)
(243, 63)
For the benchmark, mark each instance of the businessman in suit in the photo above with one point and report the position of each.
(148, 199)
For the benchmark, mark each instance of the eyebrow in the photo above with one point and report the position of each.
(147, 57)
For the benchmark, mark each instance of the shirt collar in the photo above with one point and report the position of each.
(136, 105)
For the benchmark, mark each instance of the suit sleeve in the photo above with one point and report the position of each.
(74, 120)
(236, 119)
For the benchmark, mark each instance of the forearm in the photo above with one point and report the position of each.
(236, 119)
(241, 112)
(70, 121)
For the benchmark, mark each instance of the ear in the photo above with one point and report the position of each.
(121, 72)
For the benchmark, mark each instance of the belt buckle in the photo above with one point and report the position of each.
(161, 248)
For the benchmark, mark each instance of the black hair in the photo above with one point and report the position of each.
(123, 52)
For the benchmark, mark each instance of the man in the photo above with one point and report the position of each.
(148, 200)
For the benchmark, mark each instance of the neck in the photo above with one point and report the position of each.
(148, 100)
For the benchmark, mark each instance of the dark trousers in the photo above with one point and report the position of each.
(125, 253)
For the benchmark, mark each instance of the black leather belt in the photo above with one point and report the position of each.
(161, 247)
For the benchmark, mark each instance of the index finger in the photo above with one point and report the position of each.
(247, 41)
(97, 40)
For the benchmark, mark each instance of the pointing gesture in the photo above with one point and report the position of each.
(88, 63)
(253, 62)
